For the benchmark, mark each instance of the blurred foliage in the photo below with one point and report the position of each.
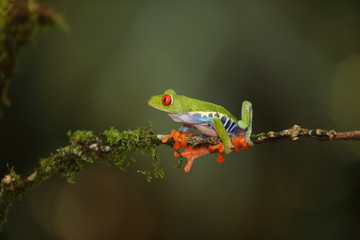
(19, 20)
(296, 61)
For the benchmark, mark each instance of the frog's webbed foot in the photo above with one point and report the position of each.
(240, 141)
(220, 148)
(191, 154)
(177, 136)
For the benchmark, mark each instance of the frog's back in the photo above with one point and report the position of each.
(195, 105)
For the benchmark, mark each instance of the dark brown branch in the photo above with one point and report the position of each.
(354, 135)
(293, 133)
(297, 132)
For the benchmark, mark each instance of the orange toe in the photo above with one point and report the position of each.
(220, 158)
(179, 139)
(176, 136)
(165, 139)
(177, 154)
(238, 142)
(220, 147)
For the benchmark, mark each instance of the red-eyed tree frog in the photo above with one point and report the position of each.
(209, 119)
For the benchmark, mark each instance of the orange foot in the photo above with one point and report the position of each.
(191, 154)
(176, 135)
(240, 141)
(220, 148)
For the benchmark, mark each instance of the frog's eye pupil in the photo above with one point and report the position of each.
(166, 99)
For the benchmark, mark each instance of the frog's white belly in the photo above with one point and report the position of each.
(203, 122)
(206, 128)
(190, 119)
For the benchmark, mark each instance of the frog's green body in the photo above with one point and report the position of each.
(208, 118)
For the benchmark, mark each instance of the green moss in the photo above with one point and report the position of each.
(112, 136)
(112, 147)
(78, 138)
(125, 144)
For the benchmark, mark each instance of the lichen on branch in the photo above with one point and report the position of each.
(296, 132)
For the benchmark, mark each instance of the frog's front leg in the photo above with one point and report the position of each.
(246, 121)
(178, 136)
(179, 139)
(245, 125)
(184, 128)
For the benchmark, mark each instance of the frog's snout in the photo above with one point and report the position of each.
(151, 101)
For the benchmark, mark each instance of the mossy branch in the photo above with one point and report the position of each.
(113, 147)
(19, 21)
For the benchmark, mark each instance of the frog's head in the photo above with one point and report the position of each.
(168, 102)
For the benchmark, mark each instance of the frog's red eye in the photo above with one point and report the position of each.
(166, 99)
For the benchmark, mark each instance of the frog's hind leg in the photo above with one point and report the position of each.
(191, 154)
(223, 135)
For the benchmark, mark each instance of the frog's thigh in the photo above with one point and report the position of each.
(223, 135)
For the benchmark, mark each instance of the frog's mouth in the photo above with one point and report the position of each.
(152, 105)
(155, 102)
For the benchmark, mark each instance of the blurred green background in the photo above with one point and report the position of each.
(298, 62)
